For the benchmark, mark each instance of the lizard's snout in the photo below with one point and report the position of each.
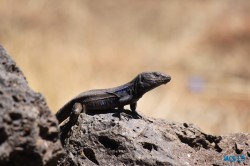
(169, 78)
(166, 79)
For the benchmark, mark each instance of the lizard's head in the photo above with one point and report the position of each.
(147, 81)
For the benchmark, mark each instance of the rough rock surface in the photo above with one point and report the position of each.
(103, 139)
(29, 133)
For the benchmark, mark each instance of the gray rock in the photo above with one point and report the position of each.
(103, 139)
(29, 133)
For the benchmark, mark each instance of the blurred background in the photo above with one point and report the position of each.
(67, 47)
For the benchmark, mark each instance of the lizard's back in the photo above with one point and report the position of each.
(98, 99)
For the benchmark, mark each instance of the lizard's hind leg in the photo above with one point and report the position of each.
(76, 110)
(66, 128)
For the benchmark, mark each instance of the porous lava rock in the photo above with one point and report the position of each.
(29, 133)
(104, 139)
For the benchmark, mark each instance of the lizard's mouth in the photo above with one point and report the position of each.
(166, 80)
(161, 81)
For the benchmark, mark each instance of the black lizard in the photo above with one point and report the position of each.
(118, 97)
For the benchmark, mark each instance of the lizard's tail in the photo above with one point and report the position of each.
(64, 112)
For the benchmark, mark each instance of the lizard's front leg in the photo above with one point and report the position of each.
(127, 99)
(133, 109)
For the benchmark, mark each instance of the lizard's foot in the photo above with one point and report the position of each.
(127, 114)
(133, 109)
(137, 114)
(118, 114)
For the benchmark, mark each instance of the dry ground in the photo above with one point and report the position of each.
(66, 47)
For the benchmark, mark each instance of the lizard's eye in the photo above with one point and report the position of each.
(157, 74)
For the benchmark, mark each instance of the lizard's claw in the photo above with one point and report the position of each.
(137, 114)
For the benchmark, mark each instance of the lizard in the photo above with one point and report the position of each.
(118, 97)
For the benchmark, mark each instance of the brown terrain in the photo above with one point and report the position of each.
(65, 48)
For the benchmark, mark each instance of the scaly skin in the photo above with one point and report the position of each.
(118, 97)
